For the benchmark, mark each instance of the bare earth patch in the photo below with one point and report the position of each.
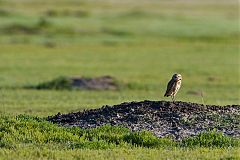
(165, 119)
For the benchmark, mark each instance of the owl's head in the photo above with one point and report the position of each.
(177, 77)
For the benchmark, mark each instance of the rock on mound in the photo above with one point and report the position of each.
(177, 120)
(97, 83)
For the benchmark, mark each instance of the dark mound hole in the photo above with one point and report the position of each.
(97, 83)
(165, 119)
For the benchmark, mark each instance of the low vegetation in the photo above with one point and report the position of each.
(28, 130)
(59, 83)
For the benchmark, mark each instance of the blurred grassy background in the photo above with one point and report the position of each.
(138, 42)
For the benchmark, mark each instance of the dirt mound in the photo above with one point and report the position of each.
(97, 83)
(163, 118)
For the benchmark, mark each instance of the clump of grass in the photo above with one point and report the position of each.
(57, 84)
(211, 139)
(147, 139)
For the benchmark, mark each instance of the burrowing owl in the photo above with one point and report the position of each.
(173, 86)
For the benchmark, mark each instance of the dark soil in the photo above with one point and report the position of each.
(177, 120)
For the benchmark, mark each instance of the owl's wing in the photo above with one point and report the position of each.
(170, 86)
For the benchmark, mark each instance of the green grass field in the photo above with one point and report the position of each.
(139, 42)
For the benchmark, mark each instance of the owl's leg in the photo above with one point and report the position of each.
(172, 98)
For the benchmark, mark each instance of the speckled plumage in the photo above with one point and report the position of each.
(173, 86)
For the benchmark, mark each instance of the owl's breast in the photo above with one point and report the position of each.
(178, 85)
